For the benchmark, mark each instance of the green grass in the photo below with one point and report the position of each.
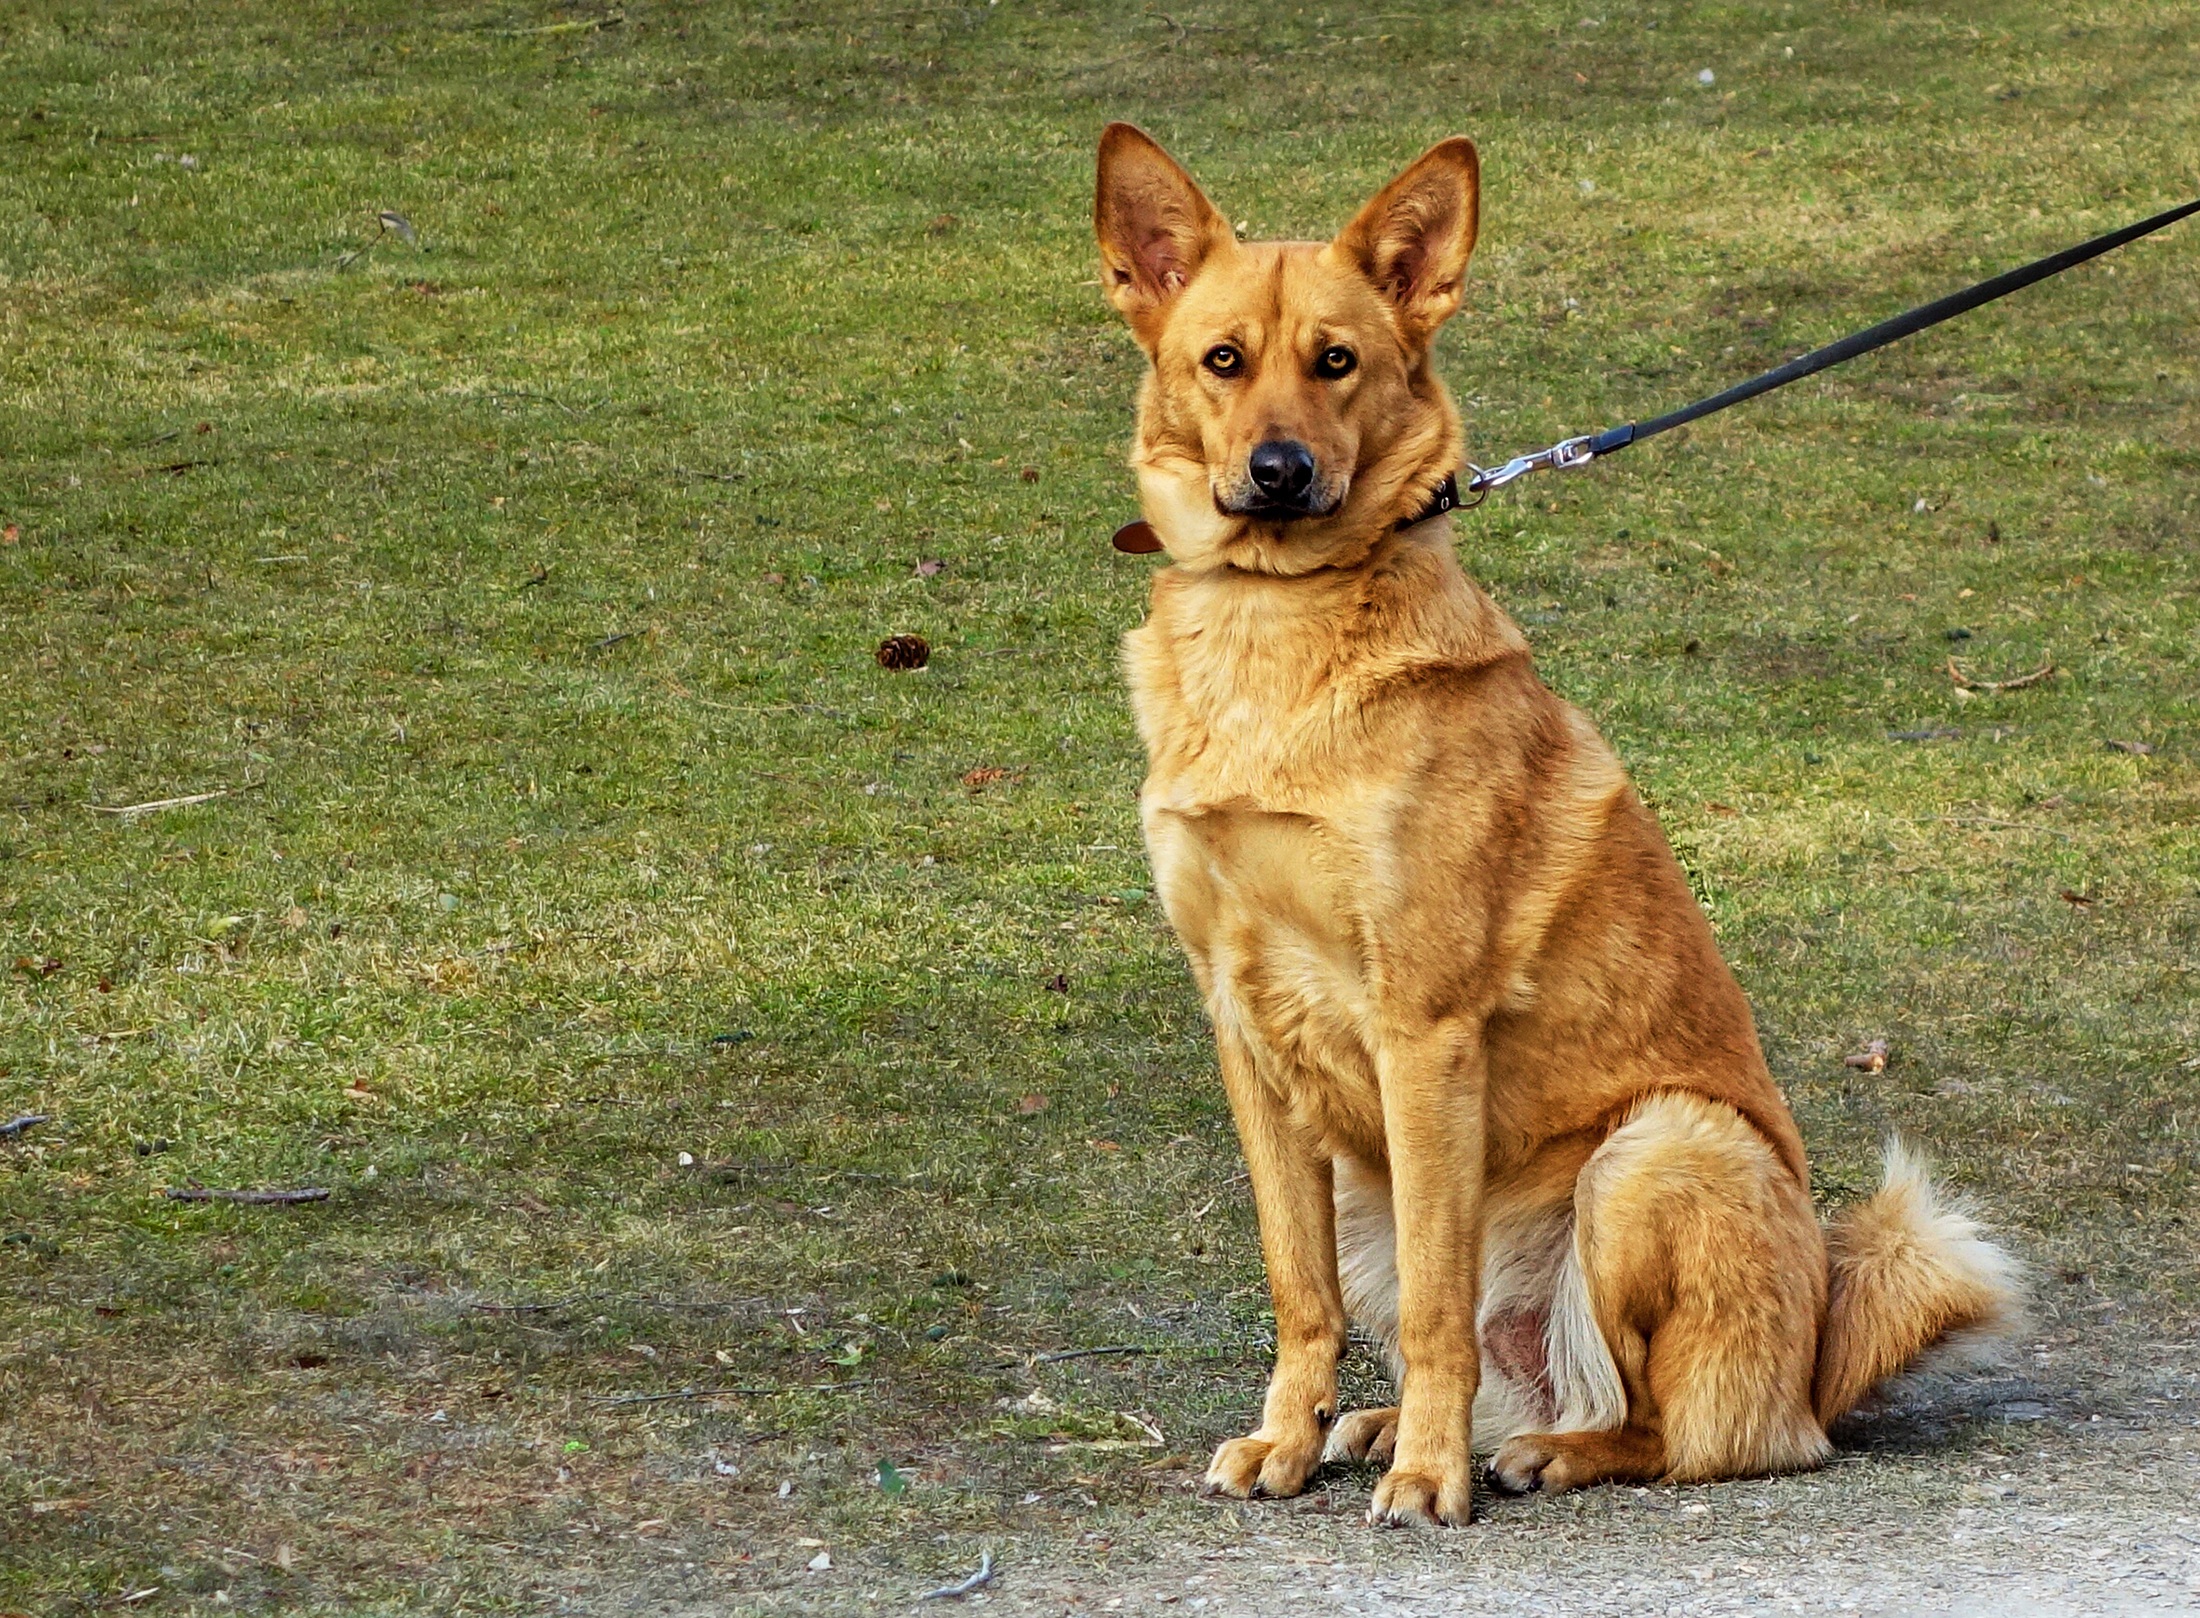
(520, 586)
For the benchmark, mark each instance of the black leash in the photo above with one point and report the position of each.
(1139, 538)
(1572, 452)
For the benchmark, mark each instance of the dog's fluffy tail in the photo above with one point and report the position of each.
(1911, 1276)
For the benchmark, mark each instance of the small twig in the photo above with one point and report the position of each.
(272, 1199)
(157, 438)
(615, 1399)
(389, 219)
(714, 477)
(158, 803)
(1991, 824)
(775, 707)
(586, 25)
(976, 1581)
(540, 576)
(1871, 1059)
(727, 1172)
(2016, 683)
(612, 640)
(527, 1308)
(1060, 1355)
(23, 1122)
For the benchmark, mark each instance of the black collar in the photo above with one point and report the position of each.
(1139, 539)
(1445, 498)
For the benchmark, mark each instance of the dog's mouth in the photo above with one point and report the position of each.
(1254, 505)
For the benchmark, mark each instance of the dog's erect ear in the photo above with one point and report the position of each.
(1154, 225)
(1414, 239)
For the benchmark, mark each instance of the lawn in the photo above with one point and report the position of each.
(671, 998)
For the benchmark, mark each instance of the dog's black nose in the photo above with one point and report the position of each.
(1283, 470)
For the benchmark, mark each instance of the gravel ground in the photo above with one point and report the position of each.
(2071, 1487)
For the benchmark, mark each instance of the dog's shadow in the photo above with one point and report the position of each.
(1925, 1414)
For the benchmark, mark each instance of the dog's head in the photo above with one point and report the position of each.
(1290, 417)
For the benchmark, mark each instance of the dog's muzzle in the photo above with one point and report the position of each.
(1281, 482)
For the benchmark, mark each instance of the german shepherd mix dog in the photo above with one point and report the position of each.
(1502, 1101)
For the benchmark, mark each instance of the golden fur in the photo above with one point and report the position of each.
(1501, 1100)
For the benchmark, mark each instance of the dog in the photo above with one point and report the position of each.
(1502, 1102)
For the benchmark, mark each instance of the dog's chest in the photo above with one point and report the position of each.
(1272, 905)
(1267, 820)
(1267, 906)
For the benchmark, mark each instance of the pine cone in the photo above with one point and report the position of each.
(903, 652)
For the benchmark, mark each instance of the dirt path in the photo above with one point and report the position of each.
(2070, 1489)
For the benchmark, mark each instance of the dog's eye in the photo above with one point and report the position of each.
(1336, 360)
(1224, 360)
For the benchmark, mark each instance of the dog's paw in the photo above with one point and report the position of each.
(1245, 1468)
(1518, 1466)
(1415, 1499)
(1369, 1436)
(1531, 1464)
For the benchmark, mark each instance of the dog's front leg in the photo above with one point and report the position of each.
(1432, 1120)
(1298, 1237)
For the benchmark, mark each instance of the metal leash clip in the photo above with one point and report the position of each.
(1562, 456)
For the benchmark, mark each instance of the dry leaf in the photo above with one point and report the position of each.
(1032, 1104)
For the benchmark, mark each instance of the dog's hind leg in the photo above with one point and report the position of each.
(1703, 1267)
(1555, 1462)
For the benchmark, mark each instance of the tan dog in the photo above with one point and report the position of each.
(1502, 1101)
